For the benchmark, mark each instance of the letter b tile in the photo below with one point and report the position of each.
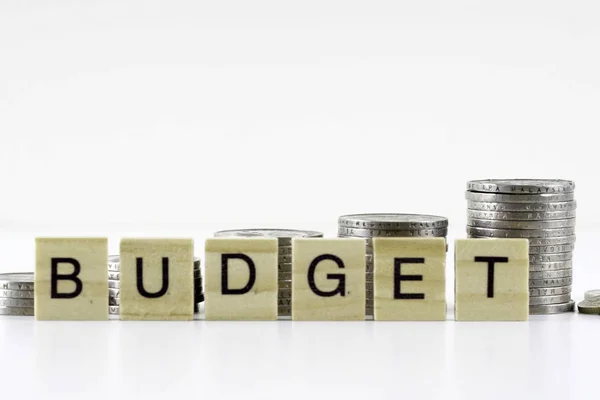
(241, 279)
(328, 279)
(157, 279)
(71, 282)
(491, 279)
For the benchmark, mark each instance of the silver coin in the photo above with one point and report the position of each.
(544, 283)
(286, 268)
(284, 284)
(284, 236)
(17, 311)
(589, 306)
(540, 300)
(505, 224)
(391, 221)
(17, 281)
(553, 241)
(560, 273)
(113, 310)
(285, 259)
(284, 302)
(284, 276)
(552, 308)
(521, 216)
(520, 233)
(284, 294)
(552, 291)
(555, 206)
(7, 302)
(370, 233)
(112, 284)
(17, 294)
(113, 301)
(519, 198)
(114, 276)
(544, 258)
(522, 186)
(284, 250)
(550, 266)
(559, 248)
(114, 262)
(591, 294)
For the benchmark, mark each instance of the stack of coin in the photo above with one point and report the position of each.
(114, 263)
(284, 239)
(541, 210)
(368, 226)
(16, 294)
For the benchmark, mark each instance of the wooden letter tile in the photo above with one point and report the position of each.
(328, 279)
(241, 279)
(410, 279)
(157, 279)
(492, 279)
(70, 279)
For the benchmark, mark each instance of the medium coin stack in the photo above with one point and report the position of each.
(284, 268)
(368, 226)
(16, 294)
(541, 210)
(114, 263)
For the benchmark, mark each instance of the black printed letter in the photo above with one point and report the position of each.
(490, 280)
(341, 288)
(398, 277)
(224, 273)
(140, 278)
(55, 276)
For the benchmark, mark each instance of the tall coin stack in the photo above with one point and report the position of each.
(368, 226)
(284, 268)
(541, 210)
(16, 294)
(114, 263)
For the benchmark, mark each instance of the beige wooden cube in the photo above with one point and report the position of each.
(410, 279)
(328, 279)
(71, 282)
(241, 278)
(491, 279)
(157, 279)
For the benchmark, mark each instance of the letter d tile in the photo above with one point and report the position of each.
(71, 282)
(241, 279)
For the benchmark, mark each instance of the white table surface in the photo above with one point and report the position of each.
(548, 357)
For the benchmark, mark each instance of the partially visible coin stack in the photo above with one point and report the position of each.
(541, 210)
(368, 226)
(114, 263)
(16, 294)
(284, 268)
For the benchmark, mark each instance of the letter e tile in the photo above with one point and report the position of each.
(410, 279)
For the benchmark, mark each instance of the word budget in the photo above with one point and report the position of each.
(158, 279)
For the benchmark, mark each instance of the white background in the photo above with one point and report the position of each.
(179, 118)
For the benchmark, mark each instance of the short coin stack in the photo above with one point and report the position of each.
(542, 211)
(114, 263)
(16, 294)
(284, 268)
(368, 226)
